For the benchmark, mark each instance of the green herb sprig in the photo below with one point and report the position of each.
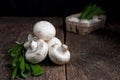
(22, 68)
(91, 11)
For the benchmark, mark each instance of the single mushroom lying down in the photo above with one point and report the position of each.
(59, 54)
(37, 51)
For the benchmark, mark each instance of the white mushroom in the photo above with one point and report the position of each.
(37, 48)
(59, 54)
(30, 38)
(54, 41)
(44, 30)
(37, 52)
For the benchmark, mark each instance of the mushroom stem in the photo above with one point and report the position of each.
(33, 45)
(65, 47)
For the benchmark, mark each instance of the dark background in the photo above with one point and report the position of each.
(35, 8)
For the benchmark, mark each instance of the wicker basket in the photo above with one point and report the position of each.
(83, 28)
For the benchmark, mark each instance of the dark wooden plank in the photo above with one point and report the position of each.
(95, 56)
(16, 29)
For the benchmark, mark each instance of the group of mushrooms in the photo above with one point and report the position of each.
(43, 42)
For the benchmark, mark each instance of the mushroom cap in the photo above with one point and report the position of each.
(54, 41)
(44, 30)
(59, 54)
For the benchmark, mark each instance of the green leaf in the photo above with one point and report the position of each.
(36, 69)
(18, 75)
(16, 50)
(12, 48)
(24, 75)
(86, 11)
(13, 51)
(22, 66)
(27, 71)
(91, 11)
(14, 74)
(27, 67)
(15, 61)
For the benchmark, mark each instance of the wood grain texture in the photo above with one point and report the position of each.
(17, 29)
(95, 56)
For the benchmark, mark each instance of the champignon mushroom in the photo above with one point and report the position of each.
(30, 38)
(37, 52)
(59, 54)
(44, 30)
(54, 41)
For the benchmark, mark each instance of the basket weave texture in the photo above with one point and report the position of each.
(83, 28)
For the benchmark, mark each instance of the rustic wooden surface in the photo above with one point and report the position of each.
(93, 57)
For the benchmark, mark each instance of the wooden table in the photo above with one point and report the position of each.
(93, 57)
